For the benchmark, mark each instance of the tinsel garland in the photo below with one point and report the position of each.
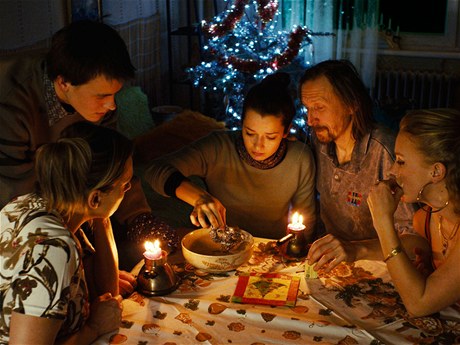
(243, 46)
(283, 59)
(265, 8)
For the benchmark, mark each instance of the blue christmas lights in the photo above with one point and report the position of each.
(242, 49)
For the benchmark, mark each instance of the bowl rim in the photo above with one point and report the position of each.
(249, 247)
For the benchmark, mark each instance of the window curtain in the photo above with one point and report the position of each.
(354, 23)
(185, 50)
(28, 25)
(139, 24)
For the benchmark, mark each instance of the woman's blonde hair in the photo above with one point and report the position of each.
(88, 157)
(436, 134)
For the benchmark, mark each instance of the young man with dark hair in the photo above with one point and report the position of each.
(77, 80)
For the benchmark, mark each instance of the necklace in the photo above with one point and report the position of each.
(446, 240)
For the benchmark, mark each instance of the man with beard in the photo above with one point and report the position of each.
(352, 153)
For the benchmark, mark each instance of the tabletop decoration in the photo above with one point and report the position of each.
(355, 303)
(227, 236)
(268, 256)
(275, 289)
(379, 302)
(118, 339)
(156, 276)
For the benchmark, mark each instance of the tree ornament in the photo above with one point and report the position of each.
(245, 44)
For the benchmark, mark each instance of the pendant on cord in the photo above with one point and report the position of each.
(446, 239)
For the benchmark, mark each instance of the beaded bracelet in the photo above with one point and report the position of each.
(395, 251)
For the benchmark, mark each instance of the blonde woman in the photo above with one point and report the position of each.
(54, 286)
(427, 172)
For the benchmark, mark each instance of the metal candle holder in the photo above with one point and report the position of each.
(297, 245)
(156, 277)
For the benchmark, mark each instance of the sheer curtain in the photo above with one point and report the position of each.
(28, 25)
(139, 23)
(354, 23)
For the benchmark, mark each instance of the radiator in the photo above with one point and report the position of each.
(414, 90)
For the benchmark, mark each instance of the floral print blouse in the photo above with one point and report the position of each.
(41, 269)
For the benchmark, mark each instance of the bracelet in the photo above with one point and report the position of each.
(395, 251)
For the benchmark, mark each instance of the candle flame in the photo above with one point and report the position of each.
(152, 247)
(152, 250)
(297, 219)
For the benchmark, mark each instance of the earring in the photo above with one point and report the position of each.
(426, 208)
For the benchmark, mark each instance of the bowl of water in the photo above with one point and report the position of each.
(202, 252)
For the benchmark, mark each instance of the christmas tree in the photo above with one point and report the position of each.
(245, 44)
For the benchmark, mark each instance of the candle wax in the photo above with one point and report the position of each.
(296, 227)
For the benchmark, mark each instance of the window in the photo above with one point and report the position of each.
(423, 24)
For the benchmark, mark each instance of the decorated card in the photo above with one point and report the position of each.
(267, 288)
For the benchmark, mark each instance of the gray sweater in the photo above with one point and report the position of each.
(256, 200)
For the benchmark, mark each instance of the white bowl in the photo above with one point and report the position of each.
(202, 252)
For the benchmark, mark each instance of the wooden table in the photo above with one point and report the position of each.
(354, 304)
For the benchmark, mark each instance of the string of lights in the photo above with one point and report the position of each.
(243, 45)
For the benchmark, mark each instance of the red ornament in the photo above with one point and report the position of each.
(267, 10)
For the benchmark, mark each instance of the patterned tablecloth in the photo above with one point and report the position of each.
(354, 304)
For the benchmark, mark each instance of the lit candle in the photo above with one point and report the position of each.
(152, 250)
(297, 223)
(297, 247)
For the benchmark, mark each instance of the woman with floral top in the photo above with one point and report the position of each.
(54, 285)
